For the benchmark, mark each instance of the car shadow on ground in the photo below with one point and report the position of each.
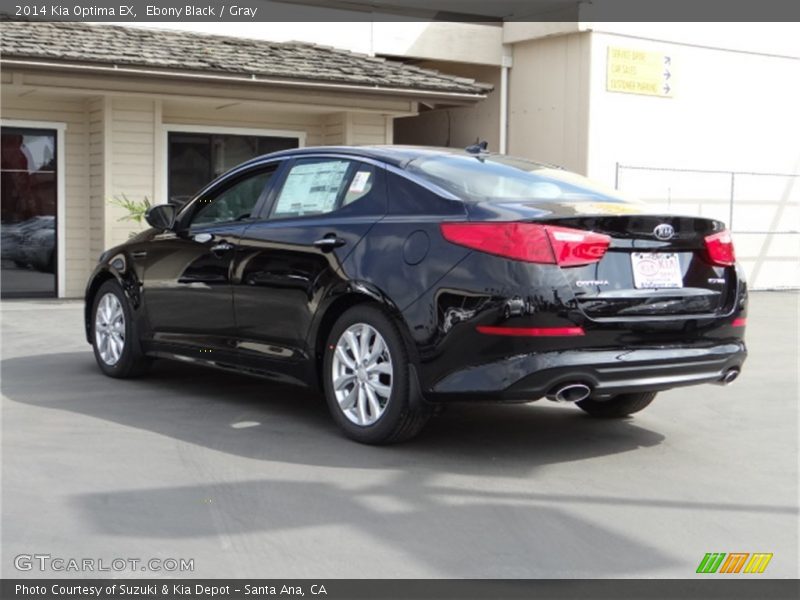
(414, 502)
(258, 419)
(450, 532)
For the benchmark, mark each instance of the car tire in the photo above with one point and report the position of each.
(115, 340)
(618, 406)
(355, 400)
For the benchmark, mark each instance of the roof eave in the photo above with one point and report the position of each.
(252, 79)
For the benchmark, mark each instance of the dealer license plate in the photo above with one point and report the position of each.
(656, 270)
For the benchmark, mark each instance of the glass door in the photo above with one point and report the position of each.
(29, 191)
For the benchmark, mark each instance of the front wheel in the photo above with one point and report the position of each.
(114, 337)
(366, 379)
(618, 406)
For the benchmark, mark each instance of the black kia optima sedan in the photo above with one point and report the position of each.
(397, 279)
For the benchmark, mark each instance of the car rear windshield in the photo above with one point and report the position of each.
(502, 178)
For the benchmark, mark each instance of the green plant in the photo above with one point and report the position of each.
(136, 208)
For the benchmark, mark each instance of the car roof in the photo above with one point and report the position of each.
(394, 155)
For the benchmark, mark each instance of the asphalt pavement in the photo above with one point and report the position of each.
(249, 479)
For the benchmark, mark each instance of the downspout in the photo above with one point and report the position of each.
(505, 67)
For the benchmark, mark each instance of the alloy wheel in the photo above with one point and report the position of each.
(362, 374)
(109, 329)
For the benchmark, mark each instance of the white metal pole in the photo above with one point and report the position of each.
(504, 70)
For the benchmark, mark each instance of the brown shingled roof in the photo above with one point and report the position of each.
(174, 50)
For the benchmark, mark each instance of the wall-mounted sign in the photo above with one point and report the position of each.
(631, 71)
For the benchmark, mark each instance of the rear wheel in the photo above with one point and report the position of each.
(366, 379)
(618, 406)
(114, 337)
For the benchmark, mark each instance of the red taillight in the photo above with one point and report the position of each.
(531, 331)
(720, 249)
(739, 322)
(574, 247)
(530, 242)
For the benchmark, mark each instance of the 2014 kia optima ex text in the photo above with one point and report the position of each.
(397, 279)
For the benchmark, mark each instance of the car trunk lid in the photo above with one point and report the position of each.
(656, 265)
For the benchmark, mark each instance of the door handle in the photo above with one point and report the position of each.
(221, 247)
(329, 242)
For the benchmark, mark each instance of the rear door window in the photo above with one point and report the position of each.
(320, 186)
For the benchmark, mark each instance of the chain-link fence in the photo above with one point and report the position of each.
(761, 209)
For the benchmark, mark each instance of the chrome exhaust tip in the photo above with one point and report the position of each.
(729, 376)
(570, 392)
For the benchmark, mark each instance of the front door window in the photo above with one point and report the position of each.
(235, 203)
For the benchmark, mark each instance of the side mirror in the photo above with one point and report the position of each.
(161, 216)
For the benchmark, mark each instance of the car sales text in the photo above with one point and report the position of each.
(125, 10)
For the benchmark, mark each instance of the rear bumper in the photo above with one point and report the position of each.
(531, 376)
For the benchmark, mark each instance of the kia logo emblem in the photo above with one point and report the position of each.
(665, 231)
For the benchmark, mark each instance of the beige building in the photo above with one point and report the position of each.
(692, 118)
(92, 113)
(695, 118)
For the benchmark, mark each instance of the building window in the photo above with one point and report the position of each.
(29, 197)
(195, 159)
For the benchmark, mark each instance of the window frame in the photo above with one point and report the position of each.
(61, 198)
(167, 128)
